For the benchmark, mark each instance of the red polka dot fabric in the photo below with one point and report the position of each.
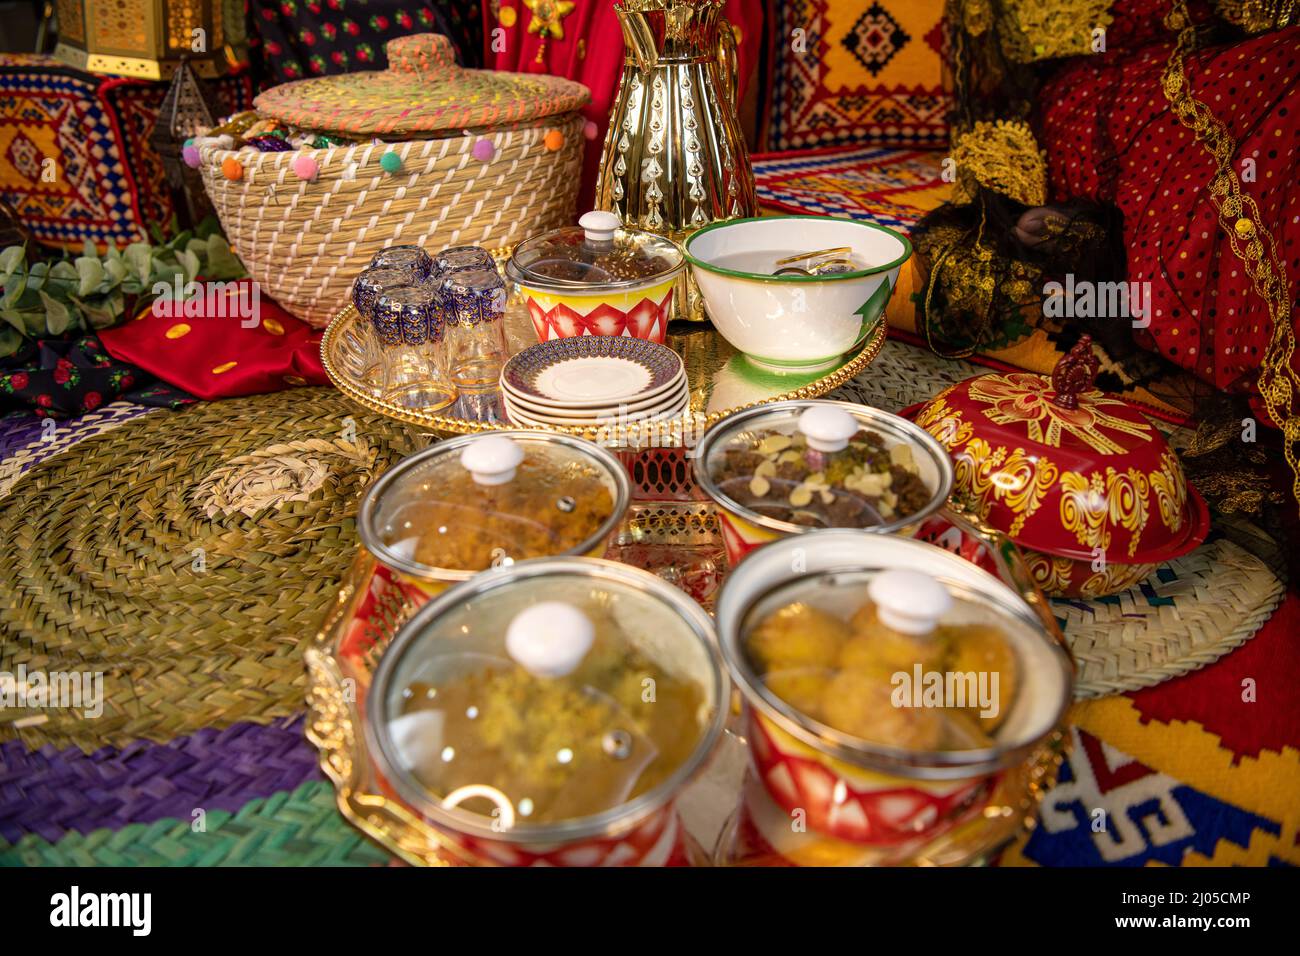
(1110, 136)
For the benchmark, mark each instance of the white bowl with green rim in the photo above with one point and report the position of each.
(799, 323)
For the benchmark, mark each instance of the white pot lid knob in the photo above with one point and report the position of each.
(549, 639)
(492, 459)
(827, 427)
(599, 225)
(909, 601)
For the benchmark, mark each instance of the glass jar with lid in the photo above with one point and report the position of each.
(598, 278)
(549, 712)
(792, 467)
(481, 501)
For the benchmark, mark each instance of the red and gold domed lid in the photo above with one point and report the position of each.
(1064, 468)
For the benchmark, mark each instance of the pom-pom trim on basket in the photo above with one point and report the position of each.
(303, 241)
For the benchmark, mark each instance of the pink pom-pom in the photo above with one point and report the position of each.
(305, 167)
(483, 150)
(190, 154)
(590, 129)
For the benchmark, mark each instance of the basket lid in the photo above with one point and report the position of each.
(422, 91)
(1064, 468)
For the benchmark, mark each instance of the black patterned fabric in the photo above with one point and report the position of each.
(292, 39)
(70, 375)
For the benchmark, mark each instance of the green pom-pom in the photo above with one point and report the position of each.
(390, 162)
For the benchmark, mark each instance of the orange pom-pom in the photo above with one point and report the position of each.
(231, 168)
(554, 140)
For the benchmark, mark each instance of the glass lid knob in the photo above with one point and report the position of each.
(599, 226)
(549, 639)
(827, 428)
(492, 459)
(909, 601)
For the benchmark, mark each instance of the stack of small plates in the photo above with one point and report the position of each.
(594, 379)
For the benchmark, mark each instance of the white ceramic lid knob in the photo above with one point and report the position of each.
(549, 639)
(599, 226)
(492, 459)
(909, 601)
(827, 428)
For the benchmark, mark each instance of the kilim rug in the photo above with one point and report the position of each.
(1188, 772)
(75, 158)
(855, 72)
(890, 187)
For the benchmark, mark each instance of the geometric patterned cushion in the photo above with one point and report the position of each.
(849, 72)
(106, 182)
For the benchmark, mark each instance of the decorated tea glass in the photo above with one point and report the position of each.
(411, 340)
(411, 259)
(474, 303)
(459, 258)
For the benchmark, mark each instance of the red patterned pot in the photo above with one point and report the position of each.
(876, 800)
(513, 698)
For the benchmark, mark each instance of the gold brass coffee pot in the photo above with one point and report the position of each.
(675, 158)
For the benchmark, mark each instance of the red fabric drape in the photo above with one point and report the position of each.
(1111, 136)
(221, 346)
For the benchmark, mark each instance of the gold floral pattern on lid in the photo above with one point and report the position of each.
(1094, 483)
(1020, 398)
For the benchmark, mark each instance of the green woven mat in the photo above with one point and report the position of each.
(187, 557)
(301, 828)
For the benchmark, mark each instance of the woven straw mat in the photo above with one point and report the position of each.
(1188, 614)
(187, 556)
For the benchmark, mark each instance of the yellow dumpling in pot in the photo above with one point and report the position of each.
(802, 688)
(876, 647)
(798, 635)
(986, 650)
(861, 704)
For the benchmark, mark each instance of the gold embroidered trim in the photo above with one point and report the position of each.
(1240, 219)
(1034, 30)
(1003, 156)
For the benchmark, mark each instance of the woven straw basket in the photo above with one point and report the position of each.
(304, 241)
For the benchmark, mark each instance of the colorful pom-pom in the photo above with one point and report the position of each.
(190, 154)
(232, 168)
(553, 140)
(305, 167)
(390, 162)
(483, 150)
(590, 130)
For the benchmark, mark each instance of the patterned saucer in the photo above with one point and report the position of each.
(655, 414)
(591, 371)
(672, 396)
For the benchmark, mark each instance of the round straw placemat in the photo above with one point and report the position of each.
(1188, 614)
(186, 557)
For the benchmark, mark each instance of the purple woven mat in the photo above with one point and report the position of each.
(17, 431)
(49, 792)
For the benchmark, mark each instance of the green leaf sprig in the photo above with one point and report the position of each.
(93, 291)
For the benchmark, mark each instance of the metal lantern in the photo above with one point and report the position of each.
(186, 111)
(148, 38)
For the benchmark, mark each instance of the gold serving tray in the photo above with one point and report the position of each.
(720, 379)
